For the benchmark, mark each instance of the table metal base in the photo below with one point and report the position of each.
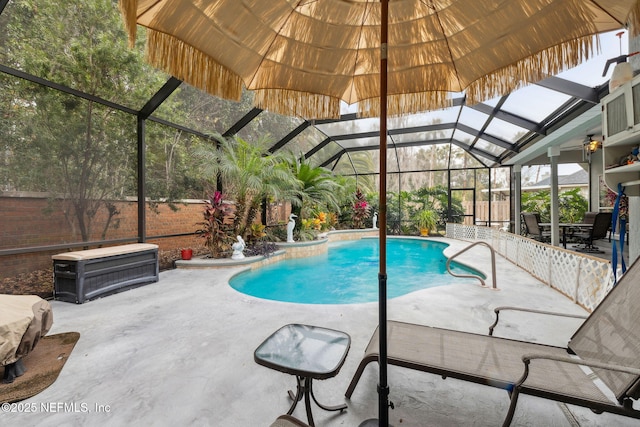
(305, 388)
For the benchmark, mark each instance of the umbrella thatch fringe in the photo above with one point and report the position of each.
(534, 68)
(398, 105)
(295, 103)
(309, 105)
(191, 66)
(194, 67)
(129, 10)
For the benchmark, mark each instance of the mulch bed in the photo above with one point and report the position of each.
(40, 282)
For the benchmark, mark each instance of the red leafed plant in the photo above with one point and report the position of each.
(217, 227)
(360, 210)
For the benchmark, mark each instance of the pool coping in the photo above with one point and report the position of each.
(286, 250)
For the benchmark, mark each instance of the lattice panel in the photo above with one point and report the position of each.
(499, 242)
(512, 248)
(564, 272)
(450, 230)
(484, 234)
(525, 252)
(584, 279)
(595, 281)
(462, 232)
(540, 254)
(469, 233)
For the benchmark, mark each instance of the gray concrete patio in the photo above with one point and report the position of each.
(180, 353)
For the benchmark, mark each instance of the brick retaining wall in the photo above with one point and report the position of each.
(29, 221)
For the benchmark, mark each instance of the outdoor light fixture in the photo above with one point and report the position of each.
(590, 146)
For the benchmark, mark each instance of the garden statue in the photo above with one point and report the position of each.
(238, 247)
(375, 220)
(290, 226)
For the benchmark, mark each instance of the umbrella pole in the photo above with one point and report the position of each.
(383, 387)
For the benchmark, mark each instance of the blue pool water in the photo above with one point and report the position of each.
(348, 273)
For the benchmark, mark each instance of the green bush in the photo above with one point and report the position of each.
(571, 205)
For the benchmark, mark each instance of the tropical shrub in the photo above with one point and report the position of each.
(217, 225)
(571, 205)
(261, 249)
(426, 219)
(436, 199)
(250, 174)
(317, 191)
(321, 221)
(537, 201)
(256, 232)
(398, 212)
(360, 210)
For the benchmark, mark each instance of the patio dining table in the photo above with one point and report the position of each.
(564, 226)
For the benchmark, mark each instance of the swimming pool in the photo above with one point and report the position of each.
(348, 273)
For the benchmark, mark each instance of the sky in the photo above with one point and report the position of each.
(532, 102)
(590, 72)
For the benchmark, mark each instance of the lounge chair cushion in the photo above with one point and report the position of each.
(482, 359)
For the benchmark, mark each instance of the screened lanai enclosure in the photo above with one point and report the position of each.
(100, 148)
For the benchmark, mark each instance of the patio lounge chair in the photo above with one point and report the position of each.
(608, 342)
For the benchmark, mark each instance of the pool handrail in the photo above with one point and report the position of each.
(475, 276)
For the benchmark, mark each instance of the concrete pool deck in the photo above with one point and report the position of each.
(179, 352)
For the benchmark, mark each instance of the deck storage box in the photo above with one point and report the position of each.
(85, 275)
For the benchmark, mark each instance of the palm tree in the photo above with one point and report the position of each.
(249, 175)
(361, 162)
(318, 187)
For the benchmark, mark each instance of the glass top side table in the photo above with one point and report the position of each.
(308, 352)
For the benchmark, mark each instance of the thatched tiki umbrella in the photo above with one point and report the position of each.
(302, 57)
